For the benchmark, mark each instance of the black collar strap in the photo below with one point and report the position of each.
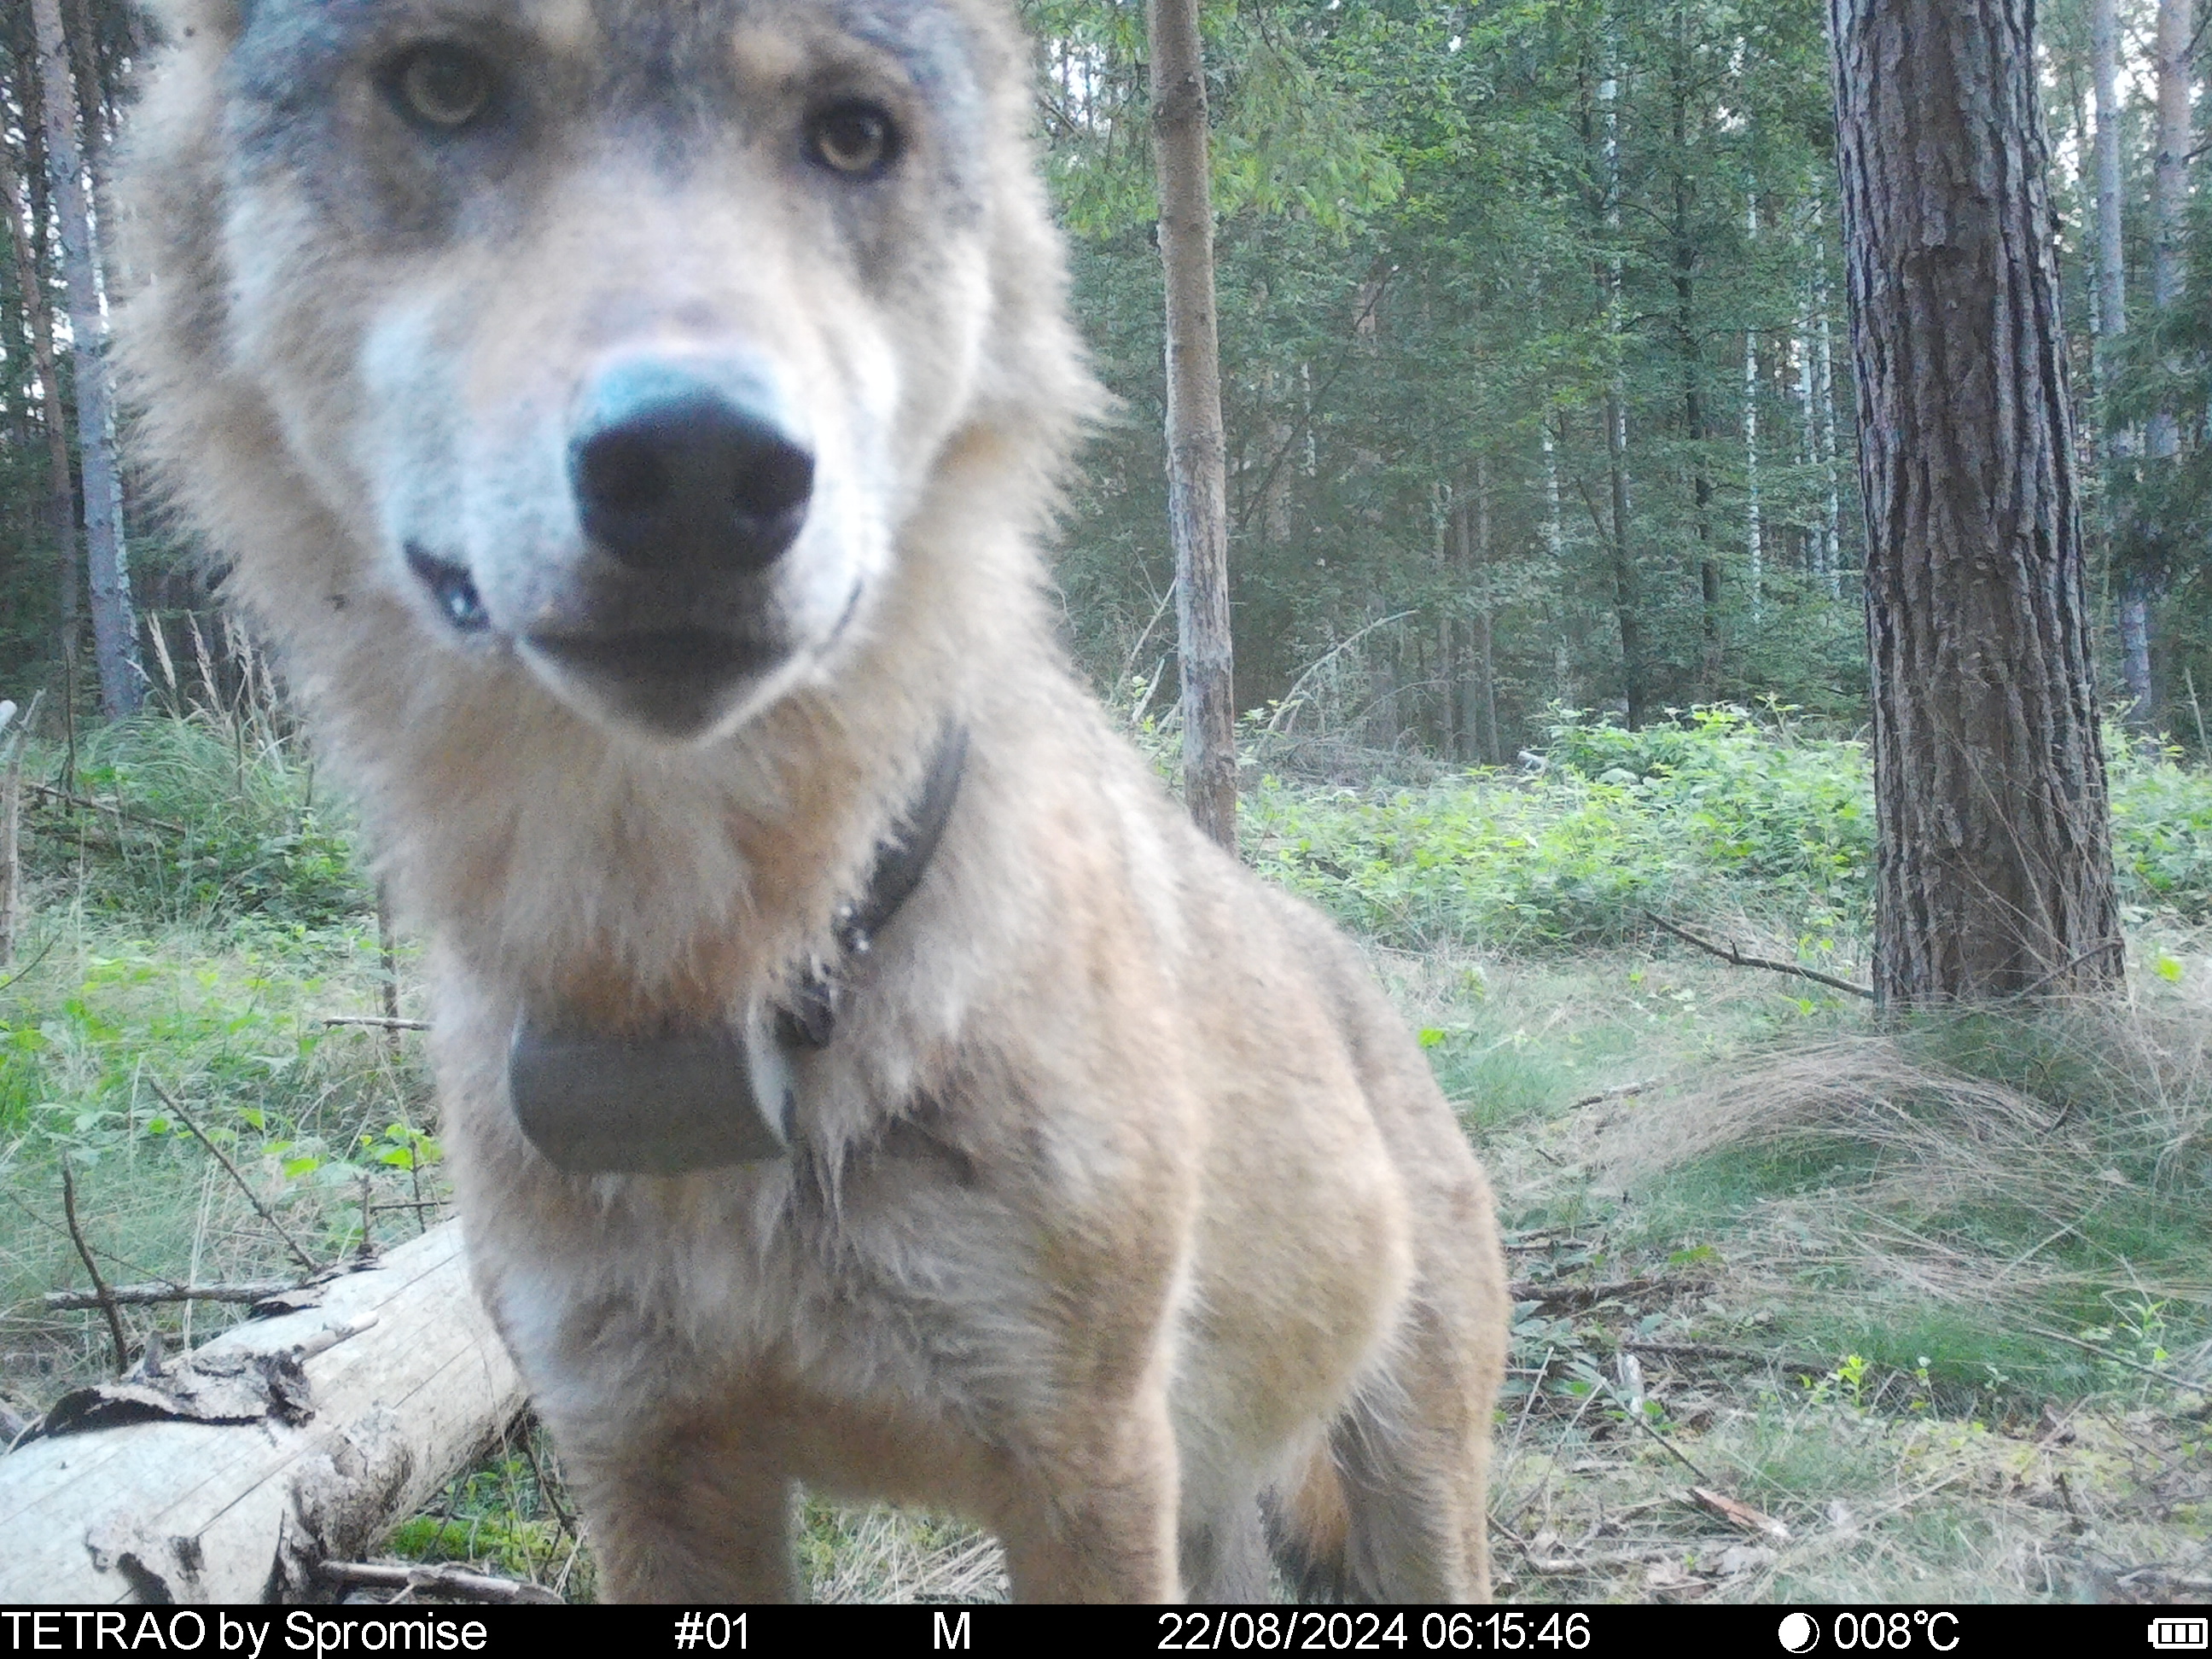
(597, 1105)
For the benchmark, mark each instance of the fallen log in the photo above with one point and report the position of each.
(284, 1444)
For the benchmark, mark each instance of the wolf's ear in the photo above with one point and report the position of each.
(217, 20)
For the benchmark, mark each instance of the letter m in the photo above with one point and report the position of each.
(948, 1632)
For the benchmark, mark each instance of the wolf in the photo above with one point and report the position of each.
(636, 423)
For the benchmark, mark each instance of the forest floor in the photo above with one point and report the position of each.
(1807, 1308)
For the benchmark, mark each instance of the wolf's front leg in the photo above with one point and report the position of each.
(1095, 1520)
(677, 1512)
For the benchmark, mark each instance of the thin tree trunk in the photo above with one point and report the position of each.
(2111, 257)
(1692, 362)
(1197, 492)
(61, 493)
(1832, 506)
(115, 634)
(1754, 539)
(2170, 177)
(1627, 600)
(1994, 873)
(1555, 525)
(1809, 421)
(2170, 215)
(1451, 520)
(2112, 325)
(1493, 753)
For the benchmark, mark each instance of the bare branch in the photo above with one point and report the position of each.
(1730, 953)
(291, 1244)
(102, 1297)
(438, 1580)
(257, 1290)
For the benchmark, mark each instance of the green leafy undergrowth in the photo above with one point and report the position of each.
(1713, 813)
(182, 819)
(109, 1040)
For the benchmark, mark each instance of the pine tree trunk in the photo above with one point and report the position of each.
(1995, 872)
(1197, 491)
(114, 632)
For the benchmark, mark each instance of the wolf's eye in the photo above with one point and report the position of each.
(441, 86)
(854, 139)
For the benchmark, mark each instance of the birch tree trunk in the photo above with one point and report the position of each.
(1198, 511)
(114, 630)
(1994, 873)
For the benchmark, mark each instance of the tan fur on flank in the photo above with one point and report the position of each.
(1122, 1216)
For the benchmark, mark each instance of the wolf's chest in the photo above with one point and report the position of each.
(906, 1279)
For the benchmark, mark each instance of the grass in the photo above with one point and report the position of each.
(1931, 1297)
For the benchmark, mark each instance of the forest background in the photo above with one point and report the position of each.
(1477, 264)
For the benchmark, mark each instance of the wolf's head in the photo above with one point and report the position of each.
(618, 339)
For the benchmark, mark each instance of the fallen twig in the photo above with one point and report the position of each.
(388, 965)
(33, 963)
(382, 1022)
(2121, 1359)
(291, 1244)
(103, 1298)
(439, 1580)
(167, 1290)
(1737, 1514)
(1730, 953)
(1619, 1092)
(109, 808)
(1722, 1351)
(1586, 1296)
(547, 1490)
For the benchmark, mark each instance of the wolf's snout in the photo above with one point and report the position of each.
(687, 469)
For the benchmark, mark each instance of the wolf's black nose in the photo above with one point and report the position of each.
(687, 468)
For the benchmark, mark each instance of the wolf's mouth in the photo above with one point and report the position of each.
(675, 681)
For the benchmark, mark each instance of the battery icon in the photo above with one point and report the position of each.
(2180, 1632)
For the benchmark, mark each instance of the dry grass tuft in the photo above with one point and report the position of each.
(1934, 1125)
(884, 1554)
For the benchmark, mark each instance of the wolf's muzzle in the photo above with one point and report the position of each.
(688, 467)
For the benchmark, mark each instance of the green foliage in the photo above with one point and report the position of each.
(183, 822)
(190, 915)
(505, 1516)
(2161, 828)
(1711, 813)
